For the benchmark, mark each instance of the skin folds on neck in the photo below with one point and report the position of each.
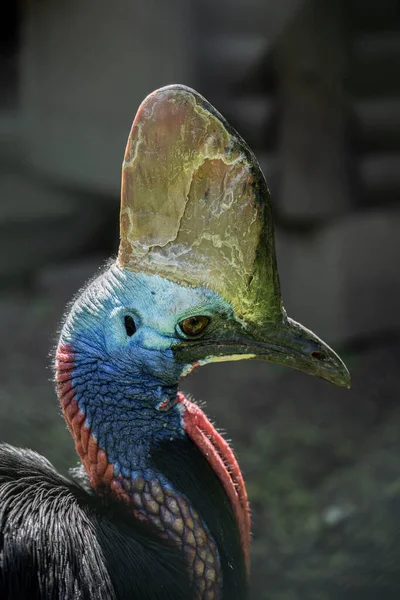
(122, 408)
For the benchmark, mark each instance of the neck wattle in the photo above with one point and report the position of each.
(117, 459)
(223, 461)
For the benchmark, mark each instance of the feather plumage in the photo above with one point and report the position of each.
(59, 542)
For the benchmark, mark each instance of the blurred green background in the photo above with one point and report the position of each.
(314, 87)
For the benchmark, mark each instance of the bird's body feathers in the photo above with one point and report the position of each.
(59, 542)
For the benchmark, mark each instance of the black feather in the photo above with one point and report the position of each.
(59, 542)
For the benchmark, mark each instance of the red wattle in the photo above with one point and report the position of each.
(94, 459)
(222, 460)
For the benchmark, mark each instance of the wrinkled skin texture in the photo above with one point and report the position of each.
(118, 389)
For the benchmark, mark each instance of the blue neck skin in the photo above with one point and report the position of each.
(121, 381)
(122, 413)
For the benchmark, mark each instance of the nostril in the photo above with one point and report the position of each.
(318, 355)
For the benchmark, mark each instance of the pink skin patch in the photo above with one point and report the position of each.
(151, 500)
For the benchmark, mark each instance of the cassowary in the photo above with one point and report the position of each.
(158, 509)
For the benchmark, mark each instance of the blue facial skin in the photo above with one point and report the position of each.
(121, 380)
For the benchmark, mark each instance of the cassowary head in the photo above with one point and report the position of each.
(196, 278)
(195, 281)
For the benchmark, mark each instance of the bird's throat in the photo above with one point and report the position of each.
(152, 496)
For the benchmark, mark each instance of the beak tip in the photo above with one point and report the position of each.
(345, 377)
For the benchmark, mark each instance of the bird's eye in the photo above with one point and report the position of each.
(194, 326)
(130, 326)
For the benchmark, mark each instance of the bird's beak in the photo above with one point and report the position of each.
(287, 343)
(296, 346)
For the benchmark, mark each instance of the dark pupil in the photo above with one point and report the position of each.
(194, 324)
(129, 325)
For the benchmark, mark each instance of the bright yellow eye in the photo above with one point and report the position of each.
(193, 326)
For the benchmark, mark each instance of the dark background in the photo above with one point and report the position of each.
(314, 87)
